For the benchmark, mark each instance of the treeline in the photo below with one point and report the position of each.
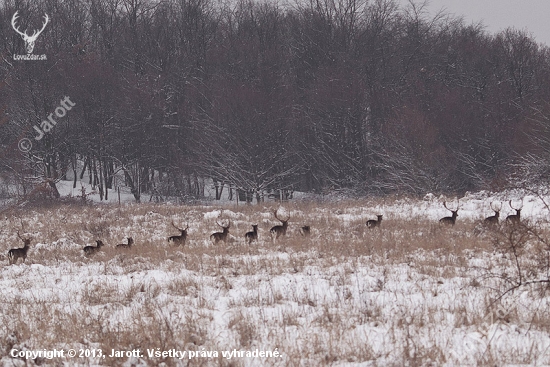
(320, 95)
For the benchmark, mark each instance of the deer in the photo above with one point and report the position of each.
(305, 231)
(514, 218)
(16, 253)
(221, 236)
(29, 40)
(90, 250)
(452, 219)
(493, 219)
(373, 223)
(126, 245)
(280, 230)
(179, 240)
(253, 235)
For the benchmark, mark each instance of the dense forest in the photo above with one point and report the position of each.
(365, 96)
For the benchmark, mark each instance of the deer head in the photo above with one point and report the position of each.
(29, 40)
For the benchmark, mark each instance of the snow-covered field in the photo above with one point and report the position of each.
(409, 293)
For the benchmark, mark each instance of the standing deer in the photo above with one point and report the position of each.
(221, 236)
(252, 236)
(452, 219)
(373, 223)
(514, 218)
(279, 230)
(493, 219)
(126, 245)
(179, 240)
(16, 253)
(90, 250)
(305, 231)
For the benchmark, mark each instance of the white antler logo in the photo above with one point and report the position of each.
(29, 40)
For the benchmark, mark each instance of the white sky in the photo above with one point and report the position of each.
(532, 16)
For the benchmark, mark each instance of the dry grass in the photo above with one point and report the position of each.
(397, 295)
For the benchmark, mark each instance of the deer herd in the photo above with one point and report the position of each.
(276, 231)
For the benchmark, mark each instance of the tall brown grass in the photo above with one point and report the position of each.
(393, 295)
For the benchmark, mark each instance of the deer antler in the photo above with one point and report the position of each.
(221, 225)
(46, 20)
(36, 33)
(29, 40)
(510, 202)
(23, 229)
(496, 209)
(14, 26)
(281, 220)
(445, 205)
(21, 238)
(224, 225)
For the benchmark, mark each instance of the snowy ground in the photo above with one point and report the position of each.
(411, 293)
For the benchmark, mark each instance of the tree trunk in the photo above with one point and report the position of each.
(74, 171)
(133, 188)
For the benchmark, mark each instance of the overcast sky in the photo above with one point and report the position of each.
(530, 15)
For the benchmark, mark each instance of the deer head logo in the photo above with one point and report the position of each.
(29, 40)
